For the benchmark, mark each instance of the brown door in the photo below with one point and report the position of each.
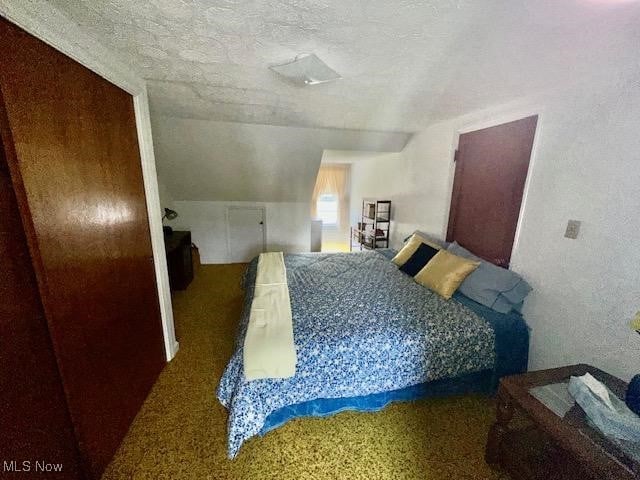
(83, 206)
(34, 421)
(491, 169)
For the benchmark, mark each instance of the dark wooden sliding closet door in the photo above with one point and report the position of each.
(33, 413)
(76, 169)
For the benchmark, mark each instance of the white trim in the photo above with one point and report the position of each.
(152, 194)
(452, 173)
(45, 22)
(527, 183)
(264, 226)
(498, 119)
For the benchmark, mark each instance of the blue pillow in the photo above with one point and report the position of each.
(419, 259)
(495, 287)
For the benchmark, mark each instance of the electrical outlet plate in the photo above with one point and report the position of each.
(573, 229)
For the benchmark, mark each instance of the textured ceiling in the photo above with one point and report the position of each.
(405, 63)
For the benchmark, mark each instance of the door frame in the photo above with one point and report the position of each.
(45, 22)
(262, 208)
(487, 120)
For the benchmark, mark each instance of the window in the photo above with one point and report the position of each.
(327, 208)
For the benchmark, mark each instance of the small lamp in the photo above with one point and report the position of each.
(169, 215)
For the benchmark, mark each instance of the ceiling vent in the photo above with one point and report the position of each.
(306, 69)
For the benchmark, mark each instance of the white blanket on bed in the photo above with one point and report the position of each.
(269, 351)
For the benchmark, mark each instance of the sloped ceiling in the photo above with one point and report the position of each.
(208, 160)
(405, 63)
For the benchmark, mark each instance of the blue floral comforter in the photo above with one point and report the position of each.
(360, 326)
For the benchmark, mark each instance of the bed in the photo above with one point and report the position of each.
(366, 334)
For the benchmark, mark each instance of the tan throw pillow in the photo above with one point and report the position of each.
(445, 272)
(410, 248)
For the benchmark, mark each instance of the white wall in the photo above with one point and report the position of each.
(204, 160)
(417, 181)
(166, 199)
(287, 226)
(207, 163)
(585, 166)
(380, 176)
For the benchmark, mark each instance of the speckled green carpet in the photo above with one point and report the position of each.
(180, 432)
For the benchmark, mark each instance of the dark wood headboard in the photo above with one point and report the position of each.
(491, 170)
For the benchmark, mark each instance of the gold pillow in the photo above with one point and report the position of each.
(410, 248)
(445, 272)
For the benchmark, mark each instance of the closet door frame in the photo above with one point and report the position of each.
(486, 120)
(52, 27)
(491, 170)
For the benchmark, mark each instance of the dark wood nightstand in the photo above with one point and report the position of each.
(547, 446)
(179, 262)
